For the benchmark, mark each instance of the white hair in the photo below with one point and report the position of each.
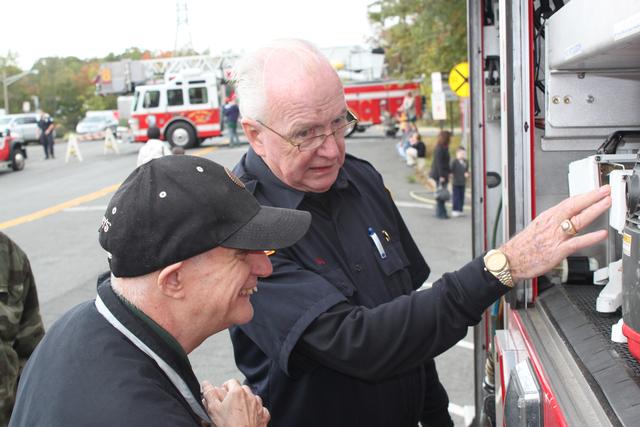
(249, 75)
(133, 289)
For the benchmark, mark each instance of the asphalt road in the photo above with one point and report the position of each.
(52, 209)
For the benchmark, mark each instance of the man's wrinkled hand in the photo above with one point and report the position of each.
(543, 244)
(234, 405)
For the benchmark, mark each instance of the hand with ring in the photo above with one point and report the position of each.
(552, 235)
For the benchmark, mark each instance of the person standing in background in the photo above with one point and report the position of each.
(459, 174)
(440, 169)
(21, 327)
(46, 126)
(231, 114)
(409, 107)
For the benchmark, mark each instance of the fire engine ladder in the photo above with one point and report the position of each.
(120, 78)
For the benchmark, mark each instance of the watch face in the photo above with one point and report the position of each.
(496, 261)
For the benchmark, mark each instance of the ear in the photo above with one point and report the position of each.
(252, 132)
(169, 282)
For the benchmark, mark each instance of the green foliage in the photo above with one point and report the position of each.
(421, 36)
(65, 86)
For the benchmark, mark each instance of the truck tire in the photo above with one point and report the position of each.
(17, 160)
(181, 134)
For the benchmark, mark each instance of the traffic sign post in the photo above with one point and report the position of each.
(459, 79)
(459, 84)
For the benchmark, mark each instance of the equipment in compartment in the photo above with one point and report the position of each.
(589, 173)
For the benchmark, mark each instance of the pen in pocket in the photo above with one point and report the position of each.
(377, 243)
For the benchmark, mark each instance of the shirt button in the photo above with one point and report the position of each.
(357, 267)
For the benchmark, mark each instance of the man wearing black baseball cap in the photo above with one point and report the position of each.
(185, 243)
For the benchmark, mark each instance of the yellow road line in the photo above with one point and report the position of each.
(201, 152)
(57, 208)
(78, 200)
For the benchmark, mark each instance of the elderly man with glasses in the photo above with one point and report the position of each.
(339, 336)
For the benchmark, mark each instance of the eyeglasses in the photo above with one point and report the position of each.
(307, 140)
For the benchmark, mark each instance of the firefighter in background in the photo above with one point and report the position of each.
(231, 113)
(20, 323)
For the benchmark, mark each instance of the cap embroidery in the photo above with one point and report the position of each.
(234, 178)
(162, 194)
(105, 225)
(199, 169)
(114, 210)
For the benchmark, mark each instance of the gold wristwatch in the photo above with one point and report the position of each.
(496, 263)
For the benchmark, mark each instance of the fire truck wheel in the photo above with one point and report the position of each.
(181, 135)
(17, 160)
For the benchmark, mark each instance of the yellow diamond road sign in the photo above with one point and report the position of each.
(459, 79)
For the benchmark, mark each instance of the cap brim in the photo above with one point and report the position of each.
(271, 228)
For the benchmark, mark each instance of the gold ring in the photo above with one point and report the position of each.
(568, 227)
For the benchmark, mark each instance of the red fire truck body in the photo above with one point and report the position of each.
(365, 99)
(185, 109)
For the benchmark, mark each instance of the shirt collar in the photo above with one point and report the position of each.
(279, 193)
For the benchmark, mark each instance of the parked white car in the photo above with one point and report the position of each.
(97, 121)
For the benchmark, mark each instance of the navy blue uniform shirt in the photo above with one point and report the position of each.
(339, 337)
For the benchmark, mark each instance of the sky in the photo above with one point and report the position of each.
(40, 28)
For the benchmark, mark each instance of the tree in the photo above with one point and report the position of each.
(18, 91)
(420, 36)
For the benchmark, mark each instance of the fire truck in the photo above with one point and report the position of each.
(555, 111)
(372, 101)
(185, 108)
(12, 151)
(183, 96)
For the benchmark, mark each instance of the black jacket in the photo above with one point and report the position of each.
(85, 372)
(440, 165)
(339, 337)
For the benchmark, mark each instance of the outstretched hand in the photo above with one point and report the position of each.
(234, 405)
(542, 245)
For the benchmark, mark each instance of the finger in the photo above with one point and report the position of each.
(587, 216)
(214, 406)
(206, 387)
(248, 390)
(232, 382)
(219, 393)
(265, 416)
(576, 204)
(580, 242)
(259, 400)
(211, 393)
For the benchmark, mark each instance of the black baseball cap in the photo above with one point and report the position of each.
(176, 207)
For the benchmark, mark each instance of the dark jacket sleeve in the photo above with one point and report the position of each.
(377, 343)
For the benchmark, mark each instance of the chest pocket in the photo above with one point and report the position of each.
(340, 280)
(396, 267)
(396, 259)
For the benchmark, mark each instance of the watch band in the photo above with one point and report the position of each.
(505, 277)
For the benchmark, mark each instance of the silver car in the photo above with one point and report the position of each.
(22, 126)
(97, 123)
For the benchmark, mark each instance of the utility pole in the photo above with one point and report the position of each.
(4, 91)
(7, 81)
